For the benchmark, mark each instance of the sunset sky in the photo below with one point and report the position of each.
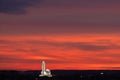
(67, 34)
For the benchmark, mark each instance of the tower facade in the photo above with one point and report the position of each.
(44, 71)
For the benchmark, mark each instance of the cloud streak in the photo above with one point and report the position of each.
(16, 6)
(59, 53)
(85, 46)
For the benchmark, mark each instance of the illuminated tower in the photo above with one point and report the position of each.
(45, 72)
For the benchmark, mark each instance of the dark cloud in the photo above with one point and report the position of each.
(98, 45)
(26, 50)
(14, 59)
(56, 20)
(8, 58)
(71, 28)
(16, 6)
(83, 3)
(110, 68)
(17, 59)
(5, 41)
(115, 55)
(90, 47)
(101, 60)
(87, 46)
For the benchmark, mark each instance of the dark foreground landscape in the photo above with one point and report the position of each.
(62, 75)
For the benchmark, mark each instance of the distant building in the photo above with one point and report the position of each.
(45, 72)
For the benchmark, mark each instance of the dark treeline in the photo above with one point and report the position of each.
(62, 75)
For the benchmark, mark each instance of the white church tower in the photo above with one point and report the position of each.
(45, 72)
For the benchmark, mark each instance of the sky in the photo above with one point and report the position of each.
(67, 34)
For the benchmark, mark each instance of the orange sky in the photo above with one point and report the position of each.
(60, 52)
(67, 34)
